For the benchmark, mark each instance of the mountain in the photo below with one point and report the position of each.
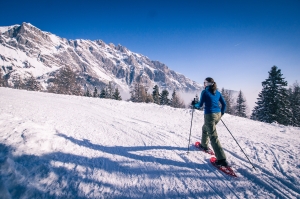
(26, 49)
(60, 146)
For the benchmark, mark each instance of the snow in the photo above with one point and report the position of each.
(18, 57)
(58, 146)
(6, 28)
(102, 74)
(55, 39)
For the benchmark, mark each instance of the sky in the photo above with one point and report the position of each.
(234, 42)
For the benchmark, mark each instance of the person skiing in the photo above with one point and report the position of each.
(211, 97)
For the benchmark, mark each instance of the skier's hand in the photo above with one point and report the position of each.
(193, 103)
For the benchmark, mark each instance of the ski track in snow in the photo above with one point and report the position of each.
(58, 146)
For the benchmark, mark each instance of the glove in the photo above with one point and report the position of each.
(193, 103)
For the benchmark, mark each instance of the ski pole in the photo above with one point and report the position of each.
(238, 145)
(191, 129)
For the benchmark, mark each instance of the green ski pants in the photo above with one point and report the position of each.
(209, 131)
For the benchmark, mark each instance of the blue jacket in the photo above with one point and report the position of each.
(211, 102)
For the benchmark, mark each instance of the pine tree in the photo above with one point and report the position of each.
(109, 91)
(273, 104)
(116, 95)
(227, 95)
(259, 110)
(164, 100)
(103, 93)
(134, 94)
(175, 101)
(156, 95)
(88, 93)
(240, 107)
(95, 93)
(294, 96)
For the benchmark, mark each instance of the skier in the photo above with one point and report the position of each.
(211, 97)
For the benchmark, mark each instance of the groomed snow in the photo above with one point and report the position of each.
(58, 146)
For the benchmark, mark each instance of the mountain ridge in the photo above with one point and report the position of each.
(25, 48)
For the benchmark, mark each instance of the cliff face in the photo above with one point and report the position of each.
(26, 49)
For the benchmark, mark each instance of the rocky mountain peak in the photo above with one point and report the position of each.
(25, 48)
(121, 48)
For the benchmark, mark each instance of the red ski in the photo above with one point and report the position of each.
(225, 169)
(209, 151)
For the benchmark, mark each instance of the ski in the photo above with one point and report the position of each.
(225, 169)
(209, 151)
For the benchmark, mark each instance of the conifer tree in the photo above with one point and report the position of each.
(273, 104)
(103, 93)
(294, 96)
(156, 95)
(227, 95)
(134, 93)
(240, 107)
(87, 93)
(164, 100)
(95, 93)
(109, 91)
(175, 101)
(116, 95)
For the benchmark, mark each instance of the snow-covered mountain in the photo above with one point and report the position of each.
(25, 48)
(60, 146)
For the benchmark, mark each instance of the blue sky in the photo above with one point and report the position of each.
(236, 42)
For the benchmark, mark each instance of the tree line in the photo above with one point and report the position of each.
(107, 93)
(28, 83)
(139, 93)
(65, 81)
(275, 103)
(237, 107)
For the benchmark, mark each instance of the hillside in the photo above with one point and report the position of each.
(58, 146)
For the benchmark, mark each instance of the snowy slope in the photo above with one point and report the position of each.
(77, 147)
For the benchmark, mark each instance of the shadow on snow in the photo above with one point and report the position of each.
(26, 175)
